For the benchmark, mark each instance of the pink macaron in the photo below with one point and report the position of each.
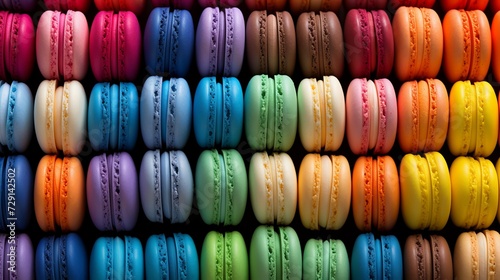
(371, 111)
(66, 5)
(115, 46)
(135, 6)
(17, 46)
(62, 45)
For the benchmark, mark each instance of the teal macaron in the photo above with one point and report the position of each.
(16, 116)
(117, 258)
(221, 187)
(275, 254)
(166, 186)
(376, 258)
(218, 112)
(113, 116)
(172, 257)
(325, 259)
(271, 113)
(165, 113)
(224, 256)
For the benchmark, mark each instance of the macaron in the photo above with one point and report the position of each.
(425, 191)
(301, 6)
(166, 186)
(324, 189)
(224, 256)
(59, 194)
(474, 192)
(135, 6)
(17, 46)
(376, 257)
(172, 257)
(16, 192)
(474, 112)
(322, 116)
(61, 257)
(176, 4)
(271, 43)
(418, 50)
(270, 113)
(476, 255)
(494, 7)
(218, 112)
(467, 5)
(117, 258)
(220, 42)
(365, 4)
(219, 3)
(272, 181)
(275, 253)
(375, 193)
(165, 112)
(17, 256)
(372, 120)
(113, 192)
(369, 43)
(497, 168)
(221, 187)
(495, 43)
(115, 46)
(18, 5)
(423, 116)
(269, 5)
(427, 257)
(66, 5)
(325, 259)
(467, 45)
(320, 44)
(16, 116)
(60, 117)
(113, 116)
(62, 45)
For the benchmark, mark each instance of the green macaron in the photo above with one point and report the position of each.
(271, 113)
(221, 187)
(275, 254)
(325, 259)
(224, 256)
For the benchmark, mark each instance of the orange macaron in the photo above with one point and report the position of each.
(375, 193)
(495, 45)
(59, 194)
(466, 46)
(418, 43)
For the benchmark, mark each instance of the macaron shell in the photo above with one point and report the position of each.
(25, 257)
(418, 258)
(325, 259)
(442, 261)
(127, 200)
(20, 47)
(264, 248)
(285, 115)
(493, 242)
(363, 257)
(76, 50)
(387, 127)
(269, 5)
(135, 6)
(487, 119)
(224, 253)
(17, 173)
(495, 41)
(19, 121)
(463, 118)
(360, 42)
(44, 102)
(466, 256)
(74, 118)
(489, 193)
(150, 186)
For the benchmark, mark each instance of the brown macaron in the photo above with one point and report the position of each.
(320, 44)
(427, 258)
(270, 43)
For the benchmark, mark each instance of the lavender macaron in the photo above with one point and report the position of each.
(113, 192)
(17, 256)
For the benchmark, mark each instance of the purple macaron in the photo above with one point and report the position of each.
(17, 258)
(113, 192)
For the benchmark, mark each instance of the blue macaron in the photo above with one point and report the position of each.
(218, 112)
(165, 113)
(16, 193)
(117, 258)
(61, 257)
(113, 116)
(173, 257)
(166, 186)
(376, 258)
(16, 116)
(168, 42)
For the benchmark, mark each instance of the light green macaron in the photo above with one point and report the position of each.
(271, 113)
(221, 187)
(325, 259)
(275, 254)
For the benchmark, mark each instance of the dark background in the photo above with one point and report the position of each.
(195, 226)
